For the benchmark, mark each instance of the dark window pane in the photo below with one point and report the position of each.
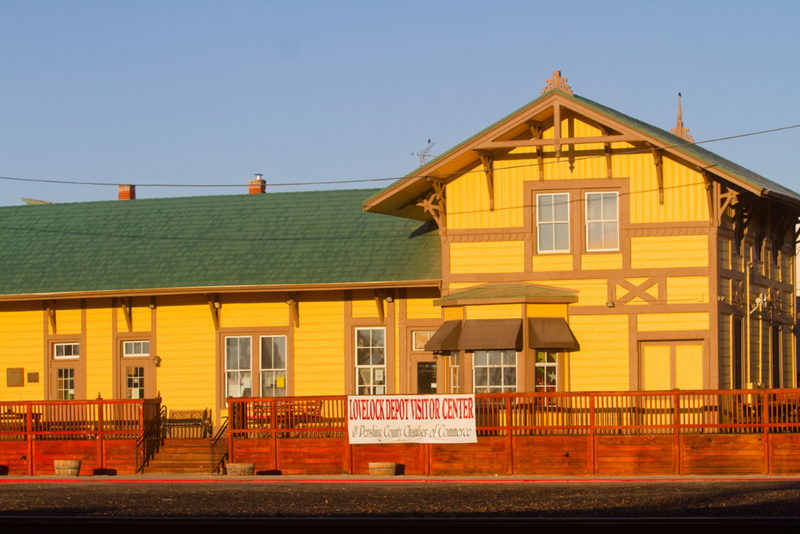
(509, 376)
(363, 338)
(362, 356)
(377, 357)
(481, 377)
(377, 338)
(495, 376)
(279, 352)
(266, 353)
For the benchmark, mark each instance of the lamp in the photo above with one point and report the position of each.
(157, 360)
(609, 304)
(389, 299)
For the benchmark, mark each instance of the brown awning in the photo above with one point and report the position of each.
(446, 338)
(491, 334)
(551, 333)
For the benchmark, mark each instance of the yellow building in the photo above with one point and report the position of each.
(567, 247)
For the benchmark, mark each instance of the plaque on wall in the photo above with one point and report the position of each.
(33, 378)
(14, 377)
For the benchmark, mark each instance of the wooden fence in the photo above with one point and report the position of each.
(624, 433)
(103, 434)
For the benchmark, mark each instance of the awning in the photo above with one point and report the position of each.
(491, 334)
(446, 338)
(550, 333)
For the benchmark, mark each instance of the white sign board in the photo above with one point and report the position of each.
(411, 419)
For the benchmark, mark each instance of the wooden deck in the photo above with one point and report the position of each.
(626, 433)
(108, 436)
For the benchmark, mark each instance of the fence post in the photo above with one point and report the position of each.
(676, 442)
(100, 451)
(28, 431)
(231, 428)
(765, 448)
(273, 426)
(592, 453)
(509, 438)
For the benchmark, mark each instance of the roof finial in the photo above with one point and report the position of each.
(679, 130)
(557, 82)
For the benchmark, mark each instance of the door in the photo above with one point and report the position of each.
(137, 373)
(668, 365)
(425, 371)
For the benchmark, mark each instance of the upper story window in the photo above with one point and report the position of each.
(552, 222)
(602, 221)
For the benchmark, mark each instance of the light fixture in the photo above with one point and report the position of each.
(151, 306)
(217, 305)
(157, 360)
(609, 304)
(389, 299)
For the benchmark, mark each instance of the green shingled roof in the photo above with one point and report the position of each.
(320, 237)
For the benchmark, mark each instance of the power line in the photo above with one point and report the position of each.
(369, 180)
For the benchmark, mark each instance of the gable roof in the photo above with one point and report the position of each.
(414, 184)
(319, 238)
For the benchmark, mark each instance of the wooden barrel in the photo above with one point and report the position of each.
(67, 467)
(240, 469)
(382, 469)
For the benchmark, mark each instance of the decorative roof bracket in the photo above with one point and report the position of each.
(50, 309)
(487, 160)
(536, 133)
(214, 305)
(658, 162)
(435, 204)
(125, 304)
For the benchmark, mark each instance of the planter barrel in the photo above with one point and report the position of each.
(67, 467)
(382, 469)
(240, 469)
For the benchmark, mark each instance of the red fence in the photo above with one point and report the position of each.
(675, 432)
(101, 433)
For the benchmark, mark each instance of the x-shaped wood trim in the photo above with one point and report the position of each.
(637, 291)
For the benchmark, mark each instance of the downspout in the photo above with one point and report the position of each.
(746, 363)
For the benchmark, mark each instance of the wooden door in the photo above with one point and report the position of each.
(668, 365)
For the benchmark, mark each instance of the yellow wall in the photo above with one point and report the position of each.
(595, 262)
(319, 347)
(22, 335)
(253, 310)
(365, 308)
(487, 257)
(422, 309)
(68, 321)
(99, 348)
(551, 262)
(496, 311)
(590, 292)
(666, 322)
(687, 290)
(187, 347)
(454, 314)
(547, 310)
(602, 364)
(669, 252)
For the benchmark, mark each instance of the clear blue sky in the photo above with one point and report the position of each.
(212, 92)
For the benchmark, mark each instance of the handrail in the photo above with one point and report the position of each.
(144, 445)
(219, 443)
(580, 413)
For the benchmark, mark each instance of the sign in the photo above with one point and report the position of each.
(411, 419)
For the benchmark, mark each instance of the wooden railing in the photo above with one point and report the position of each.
(31, 431)
(529, 414)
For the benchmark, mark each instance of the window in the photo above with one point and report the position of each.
(136, 348)
(237, 367)
(602, 221)
(420, 337)
(65, 383)
(552, 222)
(273, 366)
(546, 371)
(371, 361)
(495, 371)
(454, 373)
(134, 383)
(66, 351)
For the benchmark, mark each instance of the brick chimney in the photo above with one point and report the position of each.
(258, 186)
(127, 192)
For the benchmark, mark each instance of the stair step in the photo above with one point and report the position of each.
(176, 470)
(179, 463)
(183, 450)
(181, 457)
(187, 442)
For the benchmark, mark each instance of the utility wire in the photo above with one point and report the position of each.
(368, 180)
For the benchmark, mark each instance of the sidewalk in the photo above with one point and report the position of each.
(365, 479)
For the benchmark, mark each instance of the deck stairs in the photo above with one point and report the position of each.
(181, 456)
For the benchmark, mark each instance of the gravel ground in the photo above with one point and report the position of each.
(441, 500)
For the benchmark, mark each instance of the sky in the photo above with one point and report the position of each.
(206, 93)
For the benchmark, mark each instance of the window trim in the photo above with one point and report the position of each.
(66, 358)
(586, 220)
(386, 385)
(568, 222)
